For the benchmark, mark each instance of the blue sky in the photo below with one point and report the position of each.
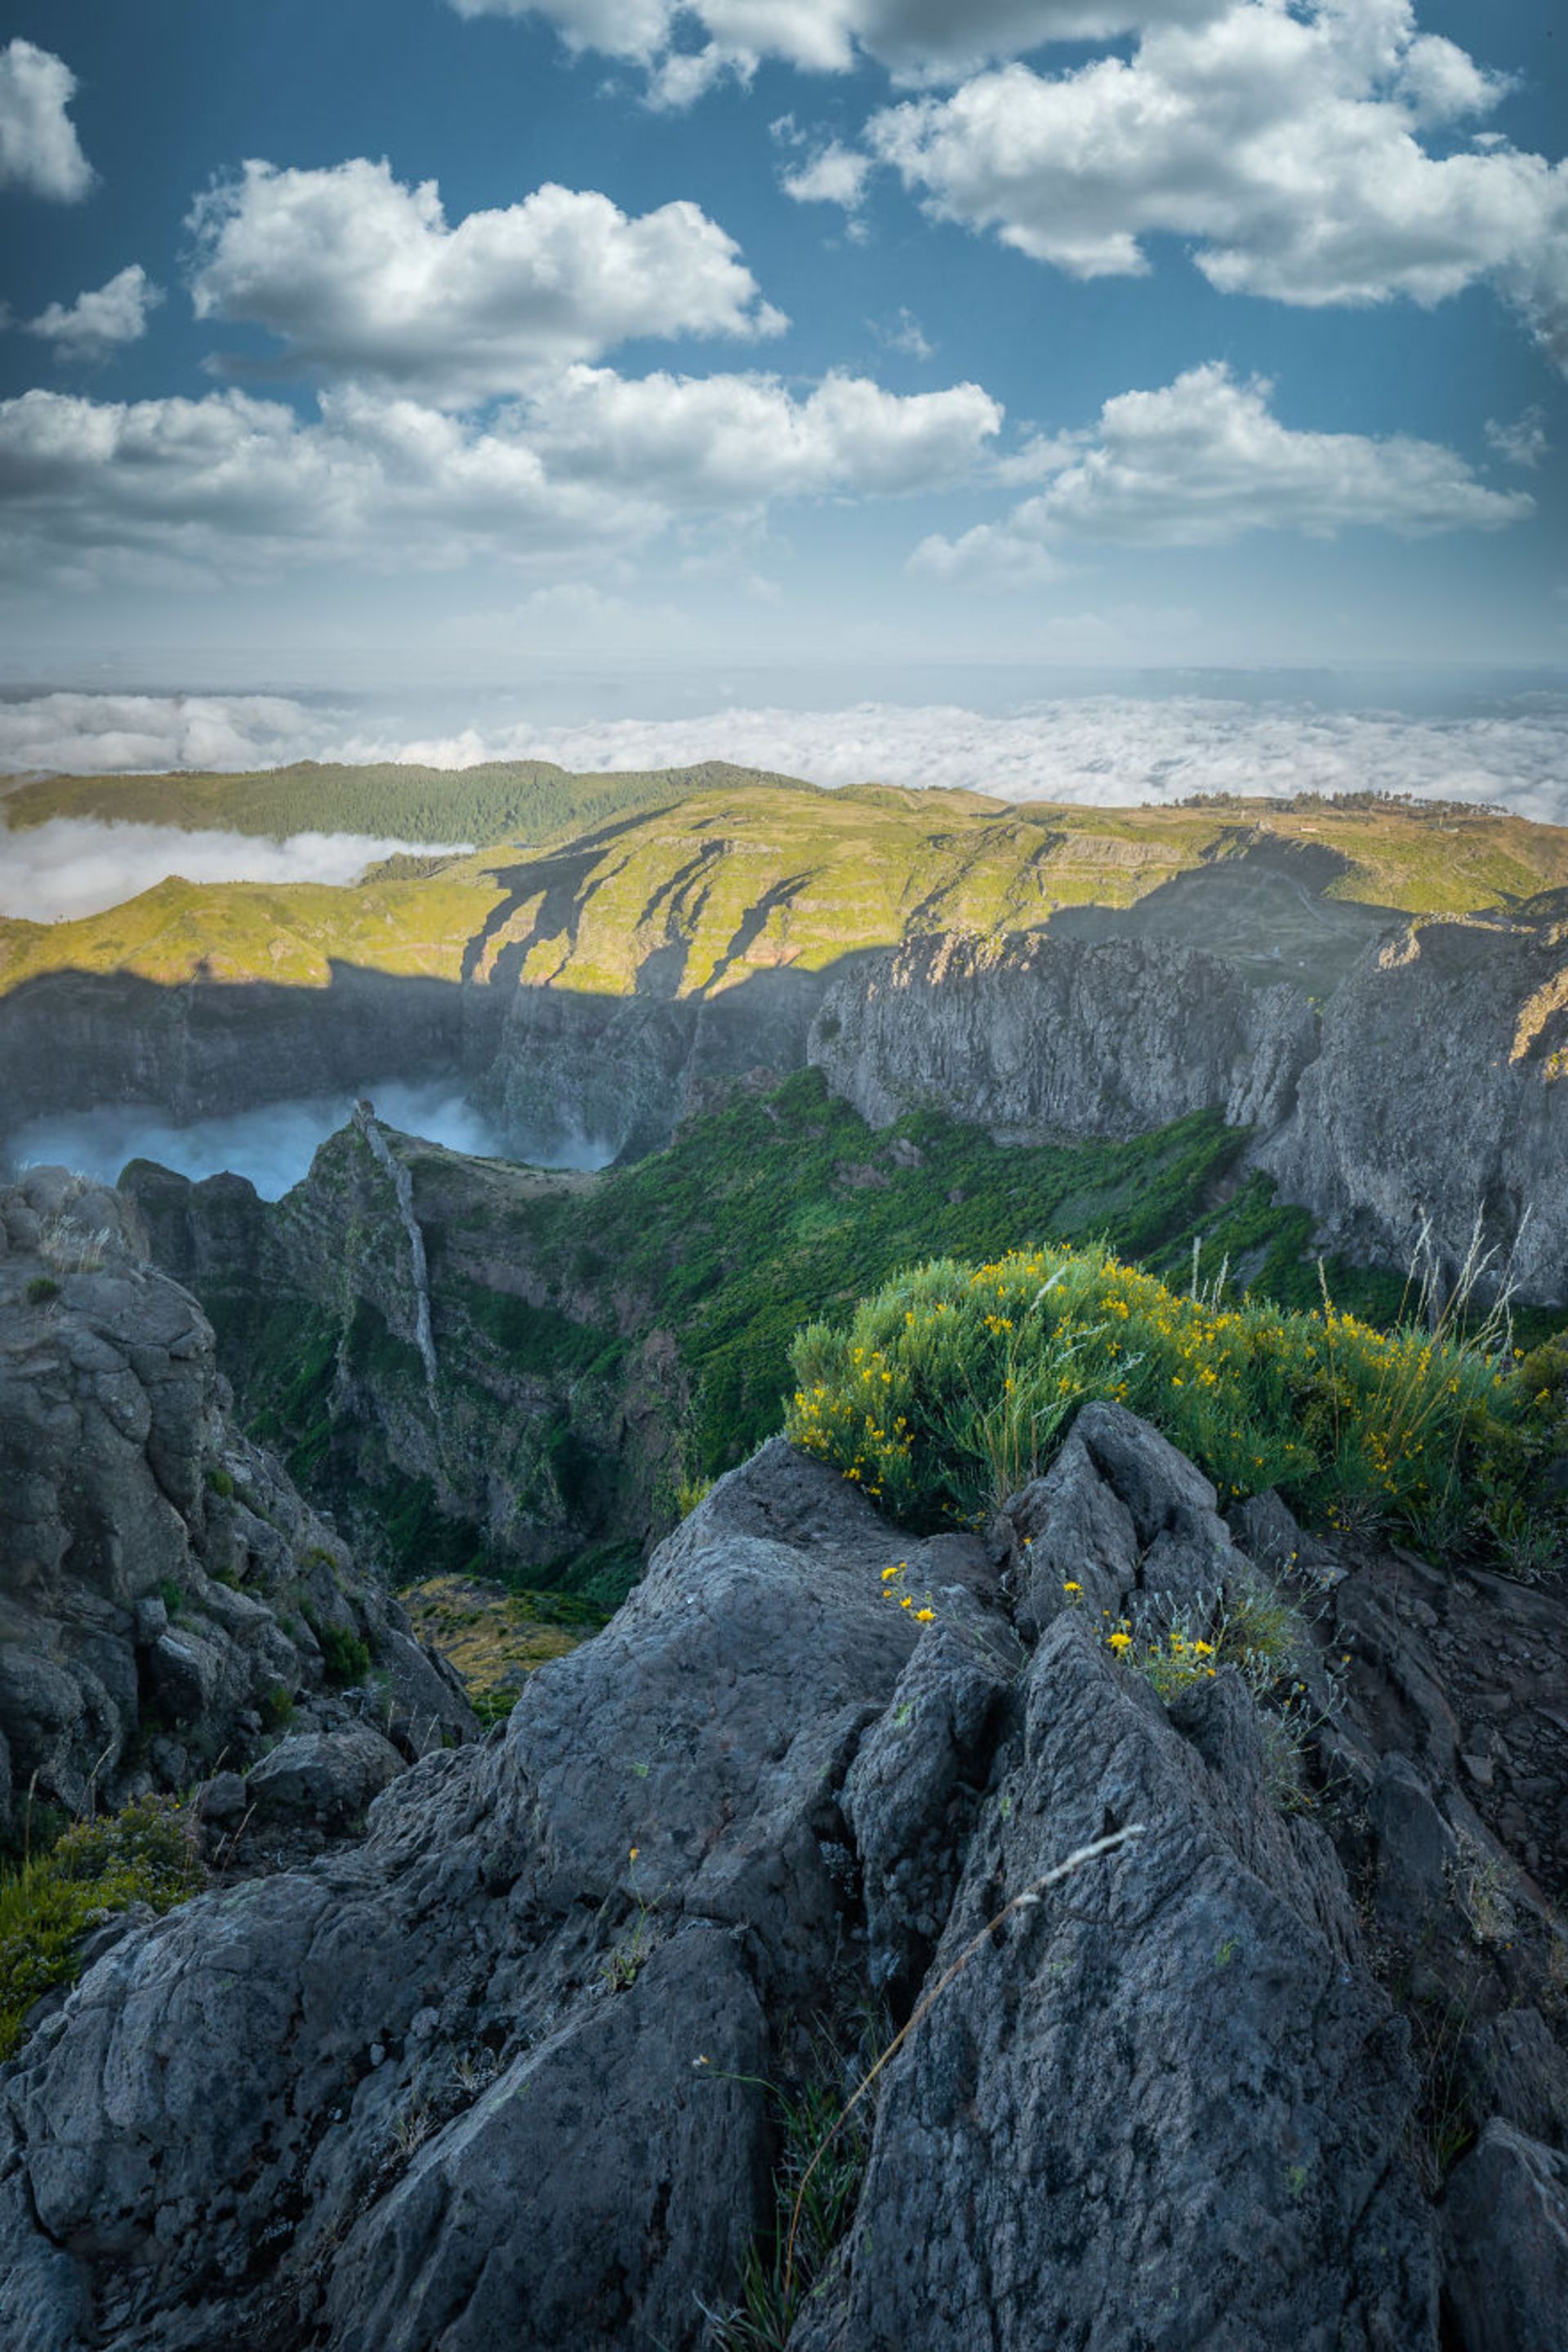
(1059, 385)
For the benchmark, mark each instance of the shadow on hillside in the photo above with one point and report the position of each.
(1265, 910)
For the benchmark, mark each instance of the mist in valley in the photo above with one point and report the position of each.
(273, 1146)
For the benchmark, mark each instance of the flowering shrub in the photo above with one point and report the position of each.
(951, 1387)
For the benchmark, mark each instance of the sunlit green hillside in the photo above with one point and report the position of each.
(504, 800)
(693, 896)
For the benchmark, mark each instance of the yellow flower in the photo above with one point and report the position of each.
(635, 1850)
(924, 1616)
(905, 1601)
(887, 1573)
(1119, 1641)
(1072, 1588)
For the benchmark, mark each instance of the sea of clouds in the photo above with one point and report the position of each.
(1113, 747)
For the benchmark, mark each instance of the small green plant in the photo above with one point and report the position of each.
(276, 1707)
(688, 1493)
(219, 1481)
(622, 1966)
(345, 1653)
(171, 1595)
(40, 1288)
(774, 2290)
(144, 1854)
(412, 2126)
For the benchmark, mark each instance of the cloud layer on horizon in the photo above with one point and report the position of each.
(1112, 749)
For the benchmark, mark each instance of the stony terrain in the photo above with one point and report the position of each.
(167, 1602)
(1285, 2070)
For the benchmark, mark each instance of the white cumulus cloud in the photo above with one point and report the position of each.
(361, 277)
(917, 40)
(233, 486)
(101, 321)
(836, 175)
(1286, 144)
(735, 441)
(1203, 460)
(39, 150)
(1522, 442)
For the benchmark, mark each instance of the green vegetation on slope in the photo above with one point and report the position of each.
(767, 1214)
(720, 884)
(947, 1391)
(504, 800)
(144, 1854)
(703, 1260)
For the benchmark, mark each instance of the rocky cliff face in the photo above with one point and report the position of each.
(387, 1271)
(1037, 1038)
(500, 2076)
(195, 1048)
(584, 1078)
(165, 1597)
(1432, 1085)
(1441, 1092)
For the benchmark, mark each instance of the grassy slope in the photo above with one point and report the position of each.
(505, 800)
(752, 876)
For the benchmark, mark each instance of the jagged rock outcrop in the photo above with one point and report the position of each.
(497, 2077)
(1038, 1038)
(1429, 1090)
(165, 1596)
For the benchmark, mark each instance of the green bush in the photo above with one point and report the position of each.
(951, 1387)
(144, 1854)
(276, 1707)
(41, 1288)
(346, 1655)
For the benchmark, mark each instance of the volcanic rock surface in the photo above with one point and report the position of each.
(165, 1596)
(498, 2076)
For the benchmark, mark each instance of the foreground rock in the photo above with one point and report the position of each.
(167, 1603)
(494, 2078)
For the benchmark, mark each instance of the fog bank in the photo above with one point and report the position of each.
(73, 866)
(273, 1146)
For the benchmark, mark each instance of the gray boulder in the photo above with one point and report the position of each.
(329, 1779)
(1506, 2218)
